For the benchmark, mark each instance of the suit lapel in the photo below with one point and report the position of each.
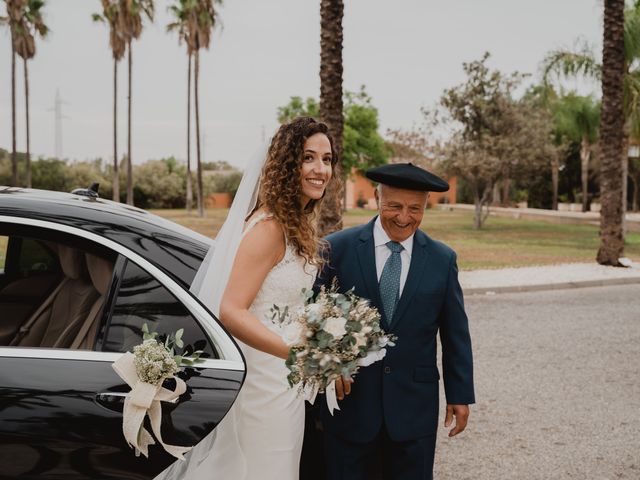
(416, 270)
(367, 260)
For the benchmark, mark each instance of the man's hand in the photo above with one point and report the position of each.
(461, 412)
(343, 387)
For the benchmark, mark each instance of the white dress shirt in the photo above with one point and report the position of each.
(380, 239)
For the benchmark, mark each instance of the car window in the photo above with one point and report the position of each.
(4, 242)
(142, 299)
(35, 258)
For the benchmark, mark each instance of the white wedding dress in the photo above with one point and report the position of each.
(261, 436)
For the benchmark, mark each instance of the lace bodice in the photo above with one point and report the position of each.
(284, 283)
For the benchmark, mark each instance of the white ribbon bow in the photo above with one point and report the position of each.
(330, 391)
(144, 399)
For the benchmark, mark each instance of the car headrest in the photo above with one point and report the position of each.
(71, 261)
(100, 271)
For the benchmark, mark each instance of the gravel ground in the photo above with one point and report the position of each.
(557, 386)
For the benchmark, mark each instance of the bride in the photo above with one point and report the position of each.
(276, 257)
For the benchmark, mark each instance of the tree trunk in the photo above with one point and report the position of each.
(611, 135)
(634, 204)
(506, 187)
(26, 111)
(331, 109)
(189, 183)
(625, 172)
(199, 164)
(129, 159)
(496, 194)
(14, 155)
(585, 153)
(479, 202)
(555, 178)
(116, 174)
(477, 212)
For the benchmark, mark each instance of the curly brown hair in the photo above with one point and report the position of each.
(281, 186)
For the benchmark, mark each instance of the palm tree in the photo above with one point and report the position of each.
(31, 24)
(584, 63)
(111, 16)
(183, 12)
(130, 26)
(13, 19)
(578, 117)
(194, 22)
(545, 96)
(206, 19)
(612, 141)
(331, 109)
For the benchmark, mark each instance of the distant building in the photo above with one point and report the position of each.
(218, 200)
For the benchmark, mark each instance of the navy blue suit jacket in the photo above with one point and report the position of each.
(401, 391)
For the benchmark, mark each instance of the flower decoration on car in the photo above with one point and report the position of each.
(145, 370)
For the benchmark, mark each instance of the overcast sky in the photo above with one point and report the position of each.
(406, 52)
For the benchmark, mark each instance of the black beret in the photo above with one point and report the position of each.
(408, 176)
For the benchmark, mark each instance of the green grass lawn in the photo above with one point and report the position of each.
(502, 242)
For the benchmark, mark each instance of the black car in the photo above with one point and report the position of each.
(79, 277)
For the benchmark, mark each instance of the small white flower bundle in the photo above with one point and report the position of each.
(154, 362)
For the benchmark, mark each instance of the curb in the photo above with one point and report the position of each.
(551, 286)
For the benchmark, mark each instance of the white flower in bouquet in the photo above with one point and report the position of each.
(361, 339)
(335, 326)
(314, 311)
(293, 333)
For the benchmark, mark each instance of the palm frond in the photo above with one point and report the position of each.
(568, 64)
(632, 34)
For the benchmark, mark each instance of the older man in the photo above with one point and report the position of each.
(390, 412)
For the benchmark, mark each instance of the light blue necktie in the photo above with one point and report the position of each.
(390, 280)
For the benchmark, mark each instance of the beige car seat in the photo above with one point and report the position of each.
(18, 303)
(68, 303)
(82, 333)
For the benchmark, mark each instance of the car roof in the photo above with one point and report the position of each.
(173, 248)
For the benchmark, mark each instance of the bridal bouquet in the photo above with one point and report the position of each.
(333, 335)
(151, 363)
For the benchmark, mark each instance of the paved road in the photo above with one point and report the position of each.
(557, 386)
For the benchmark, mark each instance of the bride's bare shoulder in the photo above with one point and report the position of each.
(263, 235)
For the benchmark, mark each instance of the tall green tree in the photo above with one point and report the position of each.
(130, 25)
(612, 141)
(578, 117)
(583, 63)
(331, 37)
(185, 22)
(545, 96)
(206, 19)
(495, 137)
(111, 16)
(297, 107)
(31, 25)
(634, 176)
(13, 19)
(363, 146)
